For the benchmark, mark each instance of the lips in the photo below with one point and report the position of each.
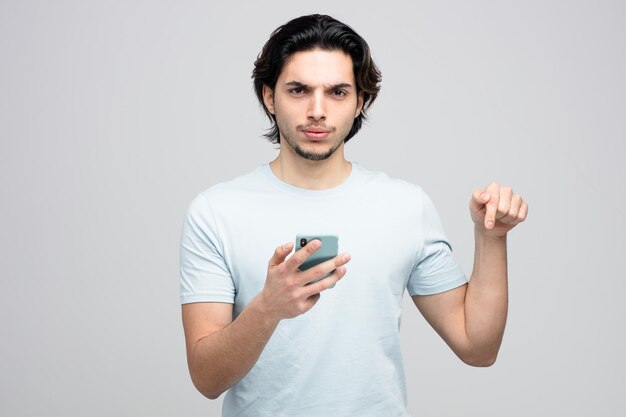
(315, 133)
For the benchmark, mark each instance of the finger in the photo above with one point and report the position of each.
(523, 212)
(504, 203)
(323, 268)
(511, 216)
(478, 200)
(492, 206)
(302, 254)
(325, 283)
(280, 254)
(310, 302)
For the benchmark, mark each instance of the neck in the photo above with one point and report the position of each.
(312, 175)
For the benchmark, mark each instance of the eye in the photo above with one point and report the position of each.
(297, 90)
(340, 93)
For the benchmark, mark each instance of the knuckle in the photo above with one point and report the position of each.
(284, 270)
(294, 261)
(314, 272)
(310, 248)
(319, 270)
(524, 209)
(298, 258)
(317, 288)
(295, 301)
(329, 282)
(290, 281)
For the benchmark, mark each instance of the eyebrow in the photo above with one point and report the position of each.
(332, 87)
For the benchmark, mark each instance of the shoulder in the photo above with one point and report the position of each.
(239, 187)
(241, 184)
(229, 192)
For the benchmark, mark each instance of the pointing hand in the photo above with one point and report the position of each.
(496, 210)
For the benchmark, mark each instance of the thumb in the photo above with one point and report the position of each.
(280, 254)
(478, 201)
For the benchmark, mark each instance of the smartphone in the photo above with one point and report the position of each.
(329, 249)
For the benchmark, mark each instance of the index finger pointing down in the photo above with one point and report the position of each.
(492, 206)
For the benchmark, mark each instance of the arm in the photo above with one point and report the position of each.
(221, 351)
(471, 318)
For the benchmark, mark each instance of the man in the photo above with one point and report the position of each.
(255, 328)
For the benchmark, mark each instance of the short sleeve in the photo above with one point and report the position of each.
(204, 275)
(435, 270)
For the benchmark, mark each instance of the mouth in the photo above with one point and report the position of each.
(316, 133)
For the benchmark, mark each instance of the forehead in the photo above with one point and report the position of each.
(318, 66)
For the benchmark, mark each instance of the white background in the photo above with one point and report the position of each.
(115, 114)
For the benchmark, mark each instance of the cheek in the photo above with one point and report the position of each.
(284, 118)
(286, 110)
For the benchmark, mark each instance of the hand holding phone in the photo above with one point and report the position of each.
(282, 295)
(329, 249)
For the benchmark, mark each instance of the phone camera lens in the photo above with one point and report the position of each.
(302, 242)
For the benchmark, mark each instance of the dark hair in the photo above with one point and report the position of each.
(306, 33)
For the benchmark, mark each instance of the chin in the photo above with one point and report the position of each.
(315, 156)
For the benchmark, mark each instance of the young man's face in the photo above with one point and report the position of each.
(315, 102)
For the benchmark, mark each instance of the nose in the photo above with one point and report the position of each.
(317, 106)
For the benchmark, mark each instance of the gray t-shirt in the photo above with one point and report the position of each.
(341, 358)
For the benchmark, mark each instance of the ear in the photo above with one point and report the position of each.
(359, 104)
(268, 98)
